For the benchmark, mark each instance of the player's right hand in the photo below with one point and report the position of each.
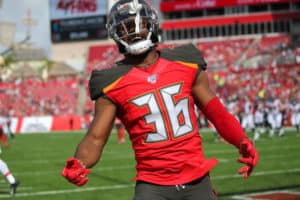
(75, 172)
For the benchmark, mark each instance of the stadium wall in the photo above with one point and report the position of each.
(46, 124)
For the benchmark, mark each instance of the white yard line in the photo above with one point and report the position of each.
(116, 187)
(247, 196)
(56, 192)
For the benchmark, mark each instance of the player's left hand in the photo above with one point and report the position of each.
(75, 172)
(249, 157)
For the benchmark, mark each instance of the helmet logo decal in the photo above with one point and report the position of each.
(129, 8)
(124, 8)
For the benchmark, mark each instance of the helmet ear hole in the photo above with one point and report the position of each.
(122, 48)
(154, 39)
(148, 25)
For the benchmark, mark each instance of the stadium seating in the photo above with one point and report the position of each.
(230, 77)
(222, 56)
(56, 96)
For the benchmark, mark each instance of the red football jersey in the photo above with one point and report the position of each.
(157, 108)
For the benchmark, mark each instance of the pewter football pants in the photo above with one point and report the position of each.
(195, 190)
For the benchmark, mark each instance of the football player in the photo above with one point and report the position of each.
(9, 128)
(259, 120)
(295, 114)
(248, 115)
(9, 177)
(3, 137)
(120, 131)
(275, 117)
(153, 93)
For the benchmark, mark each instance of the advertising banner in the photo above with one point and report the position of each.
(73, 20)
(180, 5)
(62, 9)
(36, 124)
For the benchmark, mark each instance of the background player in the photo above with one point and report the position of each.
(259, 120)
(248, 115)
(9, 177)
(9, 128)
(120, 131)
(295, 114)
(275, 117)
(3, 137)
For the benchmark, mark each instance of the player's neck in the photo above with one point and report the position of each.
(144, 60)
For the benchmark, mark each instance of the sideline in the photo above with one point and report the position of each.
(274, 194)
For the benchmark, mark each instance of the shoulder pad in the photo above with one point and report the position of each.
(102, 78)
(185, 53)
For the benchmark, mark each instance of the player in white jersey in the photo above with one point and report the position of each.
(275, 117)
(295, 117)
(248, 115)
(259, 120)
(9, 177)
(233, 108)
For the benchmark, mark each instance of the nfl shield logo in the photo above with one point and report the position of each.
(152, 79)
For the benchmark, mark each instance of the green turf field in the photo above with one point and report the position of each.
(37, 159)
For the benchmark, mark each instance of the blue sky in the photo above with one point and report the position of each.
(15, 11)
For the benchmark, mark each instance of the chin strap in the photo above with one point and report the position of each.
(139, 47)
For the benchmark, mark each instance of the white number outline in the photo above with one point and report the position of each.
(157, 118)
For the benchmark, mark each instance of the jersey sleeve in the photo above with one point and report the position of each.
(185, 53)
(100, 79)
(96, 84)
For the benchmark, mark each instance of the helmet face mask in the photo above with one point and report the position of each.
(133, 25)
(126, 31)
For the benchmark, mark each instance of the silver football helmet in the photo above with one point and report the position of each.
(133, 25)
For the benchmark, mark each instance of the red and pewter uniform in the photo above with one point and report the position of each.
(157, 108)
(1, 130)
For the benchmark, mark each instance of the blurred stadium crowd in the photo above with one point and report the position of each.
(260, 68)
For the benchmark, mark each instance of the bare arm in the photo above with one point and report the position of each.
(90, 148)
(201, 90)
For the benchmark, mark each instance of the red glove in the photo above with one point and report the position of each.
(75, 172)
(250, 157)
